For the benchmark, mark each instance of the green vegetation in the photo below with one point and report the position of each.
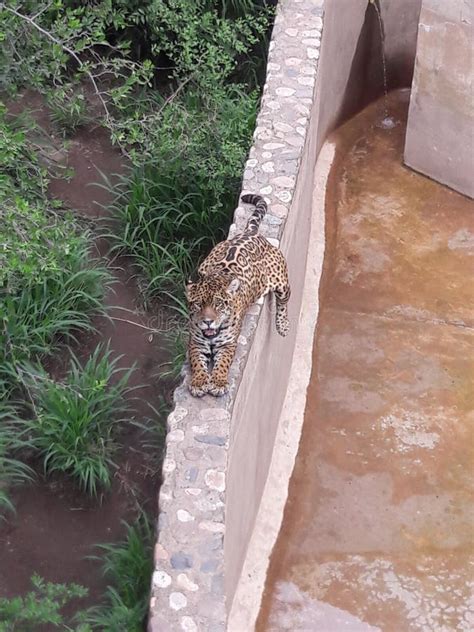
(178, 199)
(173, 208)
(128, 566)
(12, 470)
(73, 421)
(41, 606)
(39, 316)
(68, 110)
(176, 83)
(49, 286)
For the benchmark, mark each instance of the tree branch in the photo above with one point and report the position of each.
(68, 50)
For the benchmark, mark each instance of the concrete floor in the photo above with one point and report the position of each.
(378, 528)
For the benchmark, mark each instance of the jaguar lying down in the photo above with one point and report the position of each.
(234, 275)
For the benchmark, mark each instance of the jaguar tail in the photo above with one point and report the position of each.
(257, 215)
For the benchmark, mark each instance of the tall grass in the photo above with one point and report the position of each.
(12, 470)
(128, 566)
(49, 283)
(238, 7)
(73, 421)
(175, 206)
(40, 316)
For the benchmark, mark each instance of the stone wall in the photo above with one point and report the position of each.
(440, 131)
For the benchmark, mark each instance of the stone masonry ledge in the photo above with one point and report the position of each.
(188, 582)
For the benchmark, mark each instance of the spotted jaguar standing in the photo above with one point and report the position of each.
(234, 275)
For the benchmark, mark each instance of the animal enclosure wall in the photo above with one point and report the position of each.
(440, 134)
(349, 75)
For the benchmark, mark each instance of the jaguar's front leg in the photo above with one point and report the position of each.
(199, 371)
(219, 382)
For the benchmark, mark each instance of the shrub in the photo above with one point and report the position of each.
(128, 566)
(21, 173)
(68, 109)
(120, 47)
(41, 606)
(74, 420)
(48, 45)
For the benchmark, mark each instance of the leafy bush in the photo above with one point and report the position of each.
(119, 48)
(68, 109)
(48, 44)
(41, 606)
(188, 141)
(21, 173)
(174, 208)
(12, 470)
(37, 244)
(74, 420)
(128, 566)
(200, 39)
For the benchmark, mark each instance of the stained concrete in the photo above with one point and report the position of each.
(377, 532)
(246, 604)
(440, 134)
(349, 75)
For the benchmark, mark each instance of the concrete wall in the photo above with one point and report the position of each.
(350, 73)
(349, 76)
(440, 131)
(263, 386)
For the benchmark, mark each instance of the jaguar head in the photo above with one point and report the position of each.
(211, 301)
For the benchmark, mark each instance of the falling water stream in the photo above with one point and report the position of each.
(388, 121)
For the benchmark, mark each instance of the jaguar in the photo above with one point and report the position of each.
(235, 274)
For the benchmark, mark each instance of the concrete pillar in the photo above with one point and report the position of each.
(439, 140)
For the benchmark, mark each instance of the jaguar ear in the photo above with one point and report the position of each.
(233, 286)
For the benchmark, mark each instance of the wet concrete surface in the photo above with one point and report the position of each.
(378, 528)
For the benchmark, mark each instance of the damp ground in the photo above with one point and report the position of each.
(55, 526)
(378, 528)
